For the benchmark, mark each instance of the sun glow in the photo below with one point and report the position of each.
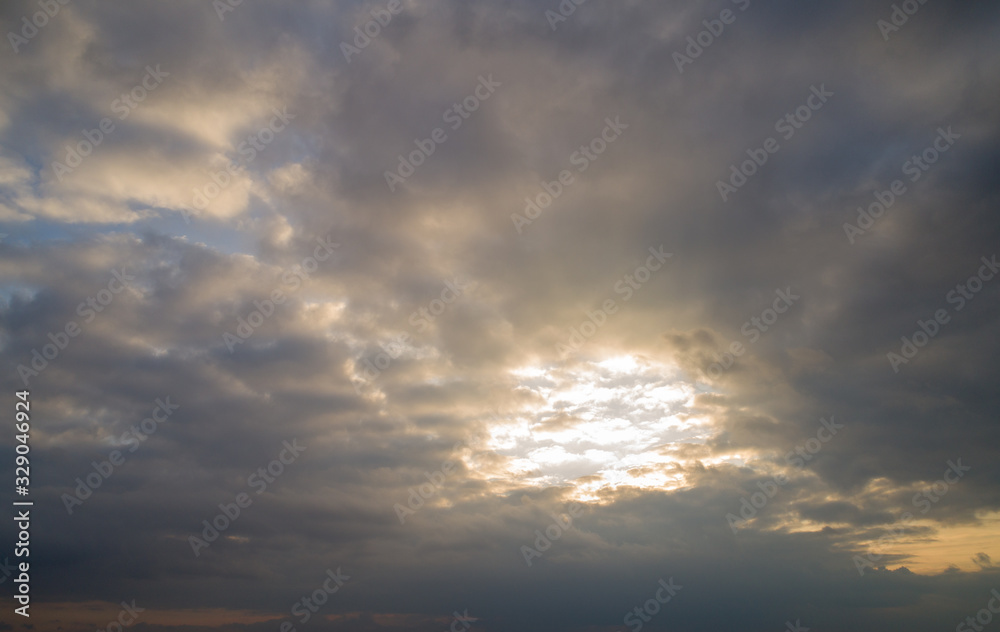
(609, 423)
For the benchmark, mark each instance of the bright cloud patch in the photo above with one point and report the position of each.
(607, 423)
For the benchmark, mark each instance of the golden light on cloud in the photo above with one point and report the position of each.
(557, 310)
(948, 546)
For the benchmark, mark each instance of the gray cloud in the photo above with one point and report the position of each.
(484, 370)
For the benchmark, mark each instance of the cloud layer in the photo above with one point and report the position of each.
(469, 346)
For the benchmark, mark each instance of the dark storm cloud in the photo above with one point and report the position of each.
(373, 438)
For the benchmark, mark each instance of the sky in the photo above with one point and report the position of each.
(500, 315)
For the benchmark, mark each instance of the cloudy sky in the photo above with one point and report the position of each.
(501, 315)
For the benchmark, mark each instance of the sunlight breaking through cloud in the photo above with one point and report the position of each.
(604, 423)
